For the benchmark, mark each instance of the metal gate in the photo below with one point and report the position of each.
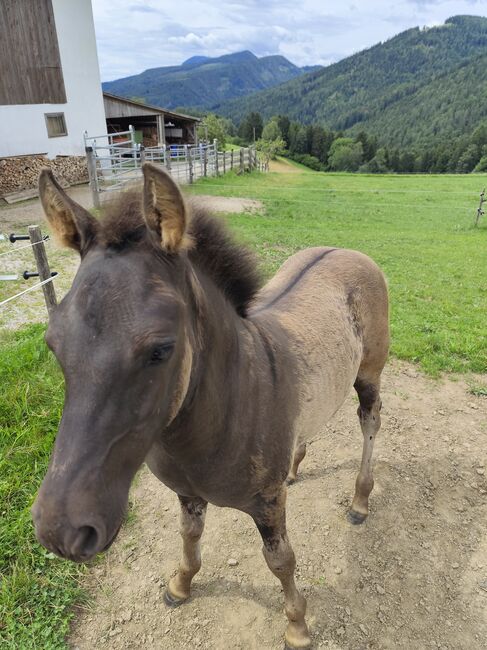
(116, 159)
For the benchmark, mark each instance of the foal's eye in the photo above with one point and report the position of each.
(161, 353)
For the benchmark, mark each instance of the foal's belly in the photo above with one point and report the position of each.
(321, 399)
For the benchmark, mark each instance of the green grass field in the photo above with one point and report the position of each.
(418, 228)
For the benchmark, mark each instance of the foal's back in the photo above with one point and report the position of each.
(333, 305)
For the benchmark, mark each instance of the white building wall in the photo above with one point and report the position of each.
(23, 127)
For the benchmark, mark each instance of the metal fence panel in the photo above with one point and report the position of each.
(115, 160)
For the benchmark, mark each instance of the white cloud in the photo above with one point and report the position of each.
(143, 34)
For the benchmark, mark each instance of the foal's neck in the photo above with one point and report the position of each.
(231, 369)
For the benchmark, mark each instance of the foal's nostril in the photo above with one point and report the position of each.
(85, 543)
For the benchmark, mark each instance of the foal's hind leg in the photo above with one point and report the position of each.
(192, 522)
(269, 514)
(299, 454)
(369, 416)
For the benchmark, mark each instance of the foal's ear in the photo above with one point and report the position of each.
(164, 209)
(72, 225)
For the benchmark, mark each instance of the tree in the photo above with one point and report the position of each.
(479, 136)
(468, 160)
(271, 130)
(284, 124)
(481, 165)
(369, 145)
(345, 155)
(377, 165)
(319, 147)
(270, 148)
(250, 122)
(272, 141)
(393, 158)
(215, 127)
(292, 136)
(300, 143)
(407, 162)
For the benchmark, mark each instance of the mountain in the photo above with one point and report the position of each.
(201, 82)
(425, 83)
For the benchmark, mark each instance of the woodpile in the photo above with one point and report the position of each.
(17, 174)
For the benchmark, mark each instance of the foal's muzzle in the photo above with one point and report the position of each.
(78, 544)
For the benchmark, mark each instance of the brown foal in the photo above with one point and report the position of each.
(173, 355)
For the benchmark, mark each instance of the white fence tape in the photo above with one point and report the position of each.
(34, 286)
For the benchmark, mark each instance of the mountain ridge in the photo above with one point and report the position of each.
(200, 82)
(377, 86)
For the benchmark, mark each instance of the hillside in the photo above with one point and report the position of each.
(421, 84)
(201, 82)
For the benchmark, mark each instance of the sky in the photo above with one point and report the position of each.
(134, 35)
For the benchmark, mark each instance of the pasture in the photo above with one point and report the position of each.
(415, 574)
(419, 229)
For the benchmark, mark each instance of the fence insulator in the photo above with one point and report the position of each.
(13, 238)
(33, 274)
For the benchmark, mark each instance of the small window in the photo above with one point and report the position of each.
(56, 124)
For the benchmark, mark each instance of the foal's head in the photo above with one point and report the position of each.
(124, 337)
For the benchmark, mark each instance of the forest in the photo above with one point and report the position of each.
(323, 149)
(421, 94)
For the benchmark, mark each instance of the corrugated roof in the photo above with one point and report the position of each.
(157, 109)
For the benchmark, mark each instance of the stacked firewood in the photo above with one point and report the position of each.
(17, 174)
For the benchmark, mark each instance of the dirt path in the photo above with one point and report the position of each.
(283, 166)
(414, 576)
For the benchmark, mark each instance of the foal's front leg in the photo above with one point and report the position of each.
(192, 522)
(270, 518)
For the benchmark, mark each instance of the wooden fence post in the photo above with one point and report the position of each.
(142, 154)
(242, 168)
(189, 158)
(43, 269)
(215, 144)
(224, 162)
(93, 181)
(205, 161)
(480, 211)
(231, 159)
(167, 157)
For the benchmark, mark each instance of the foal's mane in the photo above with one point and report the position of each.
(232, 266)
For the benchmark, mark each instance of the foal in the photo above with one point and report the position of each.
(173, 356)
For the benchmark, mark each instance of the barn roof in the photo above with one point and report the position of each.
(139, 108)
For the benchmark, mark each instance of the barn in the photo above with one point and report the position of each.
(153, 125)
(50, 88)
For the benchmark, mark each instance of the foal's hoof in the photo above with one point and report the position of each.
(172, 601)
(356, 518)
(290, 481)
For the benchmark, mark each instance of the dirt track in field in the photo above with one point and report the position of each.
(413, 576)
(282, 166)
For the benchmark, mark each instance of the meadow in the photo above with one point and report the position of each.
(418, 228)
